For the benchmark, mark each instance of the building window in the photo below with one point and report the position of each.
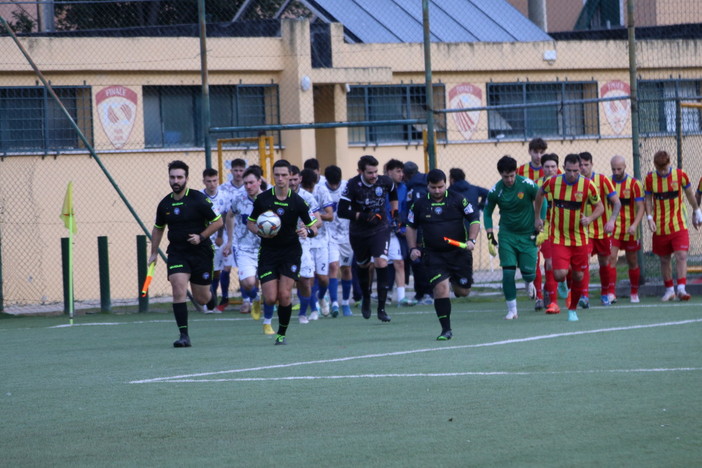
(32, 121)
(657, 101)
(173, 114)
(569, 118)
(392, 102)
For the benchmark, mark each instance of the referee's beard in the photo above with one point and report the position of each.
(177, 188)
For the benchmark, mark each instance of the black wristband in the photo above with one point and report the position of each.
(202, 238)
(413, 248)
(310, 232)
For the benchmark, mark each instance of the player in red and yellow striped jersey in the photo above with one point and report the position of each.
(549, 162)
(626, 234)
(666, 213)
(600, 231)
(534, 170)
(568, 194)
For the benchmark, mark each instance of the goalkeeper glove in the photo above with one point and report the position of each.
(541, 236)
(492, 244)
(698, 216)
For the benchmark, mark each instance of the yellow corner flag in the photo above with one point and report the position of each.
(67, 214)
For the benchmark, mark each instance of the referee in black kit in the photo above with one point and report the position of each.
(191, 220)
(440, 215)
(363, 202)
(279, 257)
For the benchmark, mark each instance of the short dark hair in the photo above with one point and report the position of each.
(585, 156)
(308, 178)
(333, 174)
(571, 158)
(294, 170)
(457, 174)
(435, 176)
(549, 157)
(238, 162)
(210, 172)
(366, 161)
(255, 170)
(537, 144)
(178, 164)
(311, 163)
(410, 169)
(283, 163)
(394, 164)
(661, 159)
(506, 164)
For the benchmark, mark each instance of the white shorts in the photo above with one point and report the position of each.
(341, 253)
(320, 256)
(306, 262)
(394, 250)
(220, 261)
(247, 262)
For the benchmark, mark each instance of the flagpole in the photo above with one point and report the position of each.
(69, 221)
(71, 302)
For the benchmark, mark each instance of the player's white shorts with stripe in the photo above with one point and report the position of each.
(320, 256)
(341, 253)
(247, 263)
(306, 262)
(394, 250)
(220, 261)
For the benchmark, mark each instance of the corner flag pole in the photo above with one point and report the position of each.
(69, 221)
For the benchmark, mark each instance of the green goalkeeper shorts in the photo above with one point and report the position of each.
(517, 250)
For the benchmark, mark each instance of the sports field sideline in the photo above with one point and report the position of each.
(620, 387)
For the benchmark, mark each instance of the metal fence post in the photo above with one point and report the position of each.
(104, 268)
(141, 272)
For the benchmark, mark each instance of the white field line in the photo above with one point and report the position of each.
(416, 351)
(404, 311)
(432, 375)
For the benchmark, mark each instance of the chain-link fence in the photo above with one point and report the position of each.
(130, 75)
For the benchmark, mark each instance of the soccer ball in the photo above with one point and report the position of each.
(268, 224)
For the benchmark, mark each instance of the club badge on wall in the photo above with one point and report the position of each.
(616, 112)
(465, 96)
(117, 107)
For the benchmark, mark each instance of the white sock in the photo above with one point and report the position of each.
(670, 289)
(681, 288)
(400, 293)
(512, 305)
(267, 321)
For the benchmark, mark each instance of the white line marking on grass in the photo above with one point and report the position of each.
(91, 324)
(404, 312)
(416, 351)
(447, 374)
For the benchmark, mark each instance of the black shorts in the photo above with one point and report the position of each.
(274, 263)
(456, 265)
(197, 263)
(367, 246)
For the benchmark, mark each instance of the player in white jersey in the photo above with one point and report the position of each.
(220, 203)
(232, 188)
(248, 244)
(340, 253)
(313, 164)
(319, 244)
(304, 284)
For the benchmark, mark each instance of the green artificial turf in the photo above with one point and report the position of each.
(618, 388)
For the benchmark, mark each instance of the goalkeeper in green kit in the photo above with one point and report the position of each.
(515, 196)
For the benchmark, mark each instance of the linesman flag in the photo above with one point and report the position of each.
(67, 214)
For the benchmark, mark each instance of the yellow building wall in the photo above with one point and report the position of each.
(32, 186)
